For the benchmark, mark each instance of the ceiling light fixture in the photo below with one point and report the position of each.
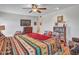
(34, 10)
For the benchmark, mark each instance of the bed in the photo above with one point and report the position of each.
(28, 44)
(36, 44)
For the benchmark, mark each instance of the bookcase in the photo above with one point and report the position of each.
(60, 32)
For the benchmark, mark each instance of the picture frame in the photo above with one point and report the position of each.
(25, 22)
(35, 23)
(59, 19)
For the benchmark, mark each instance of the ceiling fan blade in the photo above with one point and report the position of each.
(30, 11)
(38, 11)
(26, 8)
(42, 8)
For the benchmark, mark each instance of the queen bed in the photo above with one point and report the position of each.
(30, 44)
(37, 44)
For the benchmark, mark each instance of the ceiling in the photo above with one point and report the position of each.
(18, 8)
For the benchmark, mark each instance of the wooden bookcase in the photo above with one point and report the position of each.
(60, 32)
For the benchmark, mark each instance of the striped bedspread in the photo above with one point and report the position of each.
(36, 47)
(26, 45)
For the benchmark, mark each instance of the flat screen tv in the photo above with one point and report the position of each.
(24, 22)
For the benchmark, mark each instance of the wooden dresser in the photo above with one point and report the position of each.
(27, 30)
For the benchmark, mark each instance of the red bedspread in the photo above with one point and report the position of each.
(38, 36)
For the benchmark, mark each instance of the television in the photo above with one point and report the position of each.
(24, 22)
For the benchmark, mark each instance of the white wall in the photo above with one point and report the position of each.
(12, 23)
(71, 16)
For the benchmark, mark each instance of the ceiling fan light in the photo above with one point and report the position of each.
(34, 10)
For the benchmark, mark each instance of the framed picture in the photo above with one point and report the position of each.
(35, 23)
(59, 19)
(24, 22)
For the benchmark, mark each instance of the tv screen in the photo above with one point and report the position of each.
(24, 22)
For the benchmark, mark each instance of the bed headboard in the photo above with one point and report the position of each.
(27, 30)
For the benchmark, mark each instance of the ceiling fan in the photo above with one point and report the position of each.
(35, 8)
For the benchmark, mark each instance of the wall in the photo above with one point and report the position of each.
(12, 23)
(71, 16)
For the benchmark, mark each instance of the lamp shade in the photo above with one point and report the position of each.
(2, 27)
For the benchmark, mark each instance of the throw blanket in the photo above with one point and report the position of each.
(38, 36)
